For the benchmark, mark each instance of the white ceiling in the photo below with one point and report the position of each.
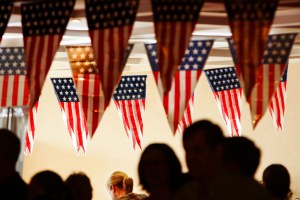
(212, 24)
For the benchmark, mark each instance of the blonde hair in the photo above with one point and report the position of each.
(121, 180)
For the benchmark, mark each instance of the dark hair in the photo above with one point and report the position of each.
(243, 152)
(171, 161)
(212, 132)
(79, 185)
(276, 179)
(9, 145)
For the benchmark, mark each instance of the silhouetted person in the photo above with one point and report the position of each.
(46, 185)
(11, 184)
(79, 187)
(120, 187)
(242, 155)
(276, 179)
(159, 171)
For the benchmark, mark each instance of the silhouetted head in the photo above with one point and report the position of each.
(241, 153)
(159, 167)
(46, 184)
(80, 186)
(276, 179)
(203, 144)
(119, 184)
(9, 147)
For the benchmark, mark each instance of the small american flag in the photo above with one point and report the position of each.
(174, 22)
(13, 82)
(228, 94)
(176, 101)
(270, 72)
(130, 98)
(6, 8)
(250, 22)
(72, 111)
(31, 123)
(110, 25)
(277, 103)
(44, 24)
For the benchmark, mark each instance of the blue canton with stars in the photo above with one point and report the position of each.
(278, 48)
(176, 10)
(65, 89)
(102, 14)
(221, 79)
(5, 13)
(12, 61)
(46, 18)
(131, 88)
(194, 58)
(245, 10)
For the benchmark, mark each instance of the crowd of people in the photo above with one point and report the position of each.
(218, 168)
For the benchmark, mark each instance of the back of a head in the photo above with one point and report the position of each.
(276, 179)
(121, 180)
(212, 132)
(80, 186)
(9, 146)
(47, 183)
(242, 152)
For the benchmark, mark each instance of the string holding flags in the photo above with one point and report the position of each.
(72, 111)
(225, 85)
(44, 24)
(178, 102)
(250, 22)
(110, 34)
(129, 98)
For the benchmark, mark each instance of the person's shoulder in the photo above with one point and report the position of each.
(133, 196)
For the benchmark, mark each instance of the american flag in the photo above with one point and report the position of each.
(72, 111)
(13, 82)
(250, 22)
(277, 103)
(272, 68)
(176, 101)
(110, 25)
(129, 98)
(31, 123)
(174, 22)
(225, 85)
(6, 8)
(44, 24)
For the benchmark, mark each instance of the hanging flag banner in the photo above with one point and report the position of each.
(174, 22)
(184, 82)
(269, 73)
(130, 97)
(31, 124)
(110, 25)
(72, 112)
(225, 85)
(13, 83)
(43, 24)
(250, 22)
(6, 8)
(277, 103)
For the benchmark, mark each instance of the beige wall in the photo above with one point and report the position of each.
(110, 149)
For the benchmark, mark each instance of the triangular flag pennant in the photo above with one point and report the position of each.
(44, 24)
(225, 85)
(174, 22)
(250, 22)
(72, 111)
(31, 123)
(184, 82)
(6, 8)
(110, 25)
(277, 103)
(130, 97)
(13, 83)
